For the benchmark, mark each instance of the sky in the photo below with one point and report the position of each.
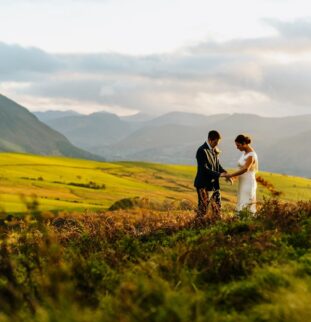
(157, 56)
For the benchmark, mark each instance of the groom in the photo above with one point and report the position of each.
(207, 179)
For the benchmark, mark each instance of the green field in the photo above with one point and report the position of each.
(73, 184)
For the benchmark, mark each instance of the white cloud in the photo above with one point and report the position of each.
(267, 76)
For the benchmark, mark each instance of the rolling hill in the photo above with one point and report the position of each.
(21, 131)
(64, 183)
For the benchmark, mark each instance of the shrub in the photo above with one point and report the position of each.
(146, 265)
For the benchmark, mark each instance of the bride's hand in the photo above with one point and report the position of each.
(230, 180)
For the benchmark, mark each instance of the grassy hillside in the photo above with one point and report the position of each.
(21, 131)
(64, 183)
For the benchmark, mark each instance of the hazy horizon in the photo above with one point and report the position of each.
(157, 115)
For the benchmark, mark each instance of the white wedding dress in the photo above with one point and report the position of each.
(247, 184)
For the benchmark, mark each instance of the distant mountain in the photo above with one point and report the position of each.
(290, 155)
(187, 119)
(265, 127)
(157, 143)
(175, 143)
(52, 115)
(21, 131)
(174, 138)
(92, 130)
(139, 117)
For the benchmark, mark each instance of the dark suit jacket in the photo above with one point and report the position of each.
(209, 169)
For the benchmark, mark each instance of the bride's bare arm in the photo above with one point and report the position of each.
(245, 168)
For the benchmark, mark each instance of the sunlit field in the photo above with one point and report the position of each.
(63, 183)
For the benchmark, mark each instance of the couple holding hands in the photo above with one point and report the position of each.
(209, 171)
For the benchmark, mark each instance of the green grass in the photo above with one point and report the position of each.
(49, 180)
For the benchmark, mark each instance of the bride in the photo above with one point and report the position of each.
(248, 166)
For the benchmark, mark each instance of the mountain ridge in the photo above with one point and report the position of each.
(21, 131)
(175, 136)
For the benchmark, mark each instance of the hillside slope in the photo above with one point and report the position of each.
(21, 131)
(64, 183)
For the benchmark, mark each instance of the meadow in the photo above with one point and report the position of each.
(92, 241)
(56, 183)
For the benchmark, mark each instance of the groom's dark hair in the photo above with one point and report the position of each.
(214, 135)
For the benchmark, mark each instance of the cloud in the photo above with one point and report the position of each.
(268, 76)
(296, 29)
(18, 63)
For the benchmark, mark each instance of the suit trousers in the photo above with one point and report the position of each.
(204, 199)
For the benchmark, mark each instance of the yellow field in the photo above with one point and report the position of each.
(64, 183)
